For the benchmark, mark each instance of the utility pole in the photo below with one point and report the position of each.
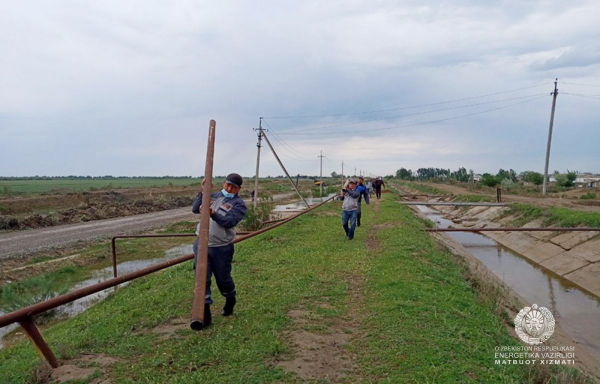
(284, 170)
(260, 134)
(321, 192)
(342, 173)
(354, 171)
(554, 94)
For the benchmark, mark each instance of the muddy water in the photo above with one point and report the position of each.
(577, 312)
(80, 305)
(299, 205)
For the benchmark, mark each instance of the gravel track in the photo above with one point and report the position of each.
(22, 243)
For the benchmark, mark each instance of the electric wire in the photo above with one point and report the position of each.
(283, 142)
(409, 114)
(295, 157)
(582, 85)
(408, 107)
(427, 122)
(597, 97)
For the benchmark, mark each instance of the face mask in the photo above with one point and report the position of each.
(227, 194)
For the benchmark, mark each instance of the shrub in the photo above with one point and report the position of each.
(489, 180)
(588, 196)
(255, 217)
(15, 296)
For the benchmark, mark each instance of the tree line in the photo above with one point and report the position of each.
(505, 178)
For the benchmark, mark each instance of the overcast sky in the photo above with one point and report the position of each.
(128, 87)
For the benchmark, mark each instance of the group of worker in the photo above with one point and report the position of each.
(227, 209)
(353, 192)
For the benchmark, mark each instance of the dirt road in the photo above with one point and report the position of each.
(21, 243)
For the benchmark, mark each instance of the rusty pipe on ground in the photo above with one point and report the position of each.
(197, 322)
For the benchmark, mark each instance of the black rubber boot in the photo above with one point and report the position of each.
(207, 316)
(229, 304)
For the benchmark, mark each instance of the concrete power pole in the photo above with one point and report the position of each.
(260, 134)
(554, 94)
(321, 191)
(354, 171)
(342, 173)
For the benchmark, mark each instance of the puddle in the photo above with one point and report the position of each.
(575, 311)
(299, 205)
(78, 306)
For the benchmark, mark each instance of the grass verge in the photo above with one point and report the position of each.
(562, 217)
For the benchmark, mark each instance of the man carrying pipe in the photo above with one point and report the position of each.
(363, 192)
(349, 207)
(227, 209)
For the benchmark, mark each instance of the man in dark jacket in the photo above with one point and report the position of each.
(227, 209)
(377, 184)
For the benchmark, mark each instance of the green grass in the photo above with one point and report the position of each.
(588, 196)
(419, 318)
(474, 198)
(423, 188)
(561, 217)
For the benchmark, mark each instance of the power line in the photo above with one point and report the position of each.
(597, 97)
(410, 114)
(409, 107)
(582, 85)
(296, 158)
(428, 122)
(283, 142)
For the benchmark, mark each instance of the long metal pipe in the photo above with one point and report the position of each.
(518, 229)
(197, 321)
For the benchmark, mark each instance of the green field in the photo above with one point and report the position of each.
(35, 187)
(412, 313)
(32, 187)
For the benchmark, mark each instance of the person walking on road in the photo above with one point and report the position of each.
(377, 184)
(363, 192)
(227, 209)
(350, 208)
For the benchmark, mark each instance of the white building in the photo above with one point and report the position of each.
(588, 180)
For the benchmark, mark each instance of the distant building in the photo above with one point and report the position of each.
(477, 177)
(587, 180)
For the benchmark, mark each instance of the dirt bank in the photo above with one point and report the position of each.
(52, 210)
(569, 200)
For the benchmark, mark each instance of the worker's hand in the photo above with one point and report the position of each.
(211, 211)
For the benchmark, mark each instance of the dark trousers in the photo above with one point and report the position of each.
(349, 216)
(378, 192)
(219, 264)
(358, 215)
